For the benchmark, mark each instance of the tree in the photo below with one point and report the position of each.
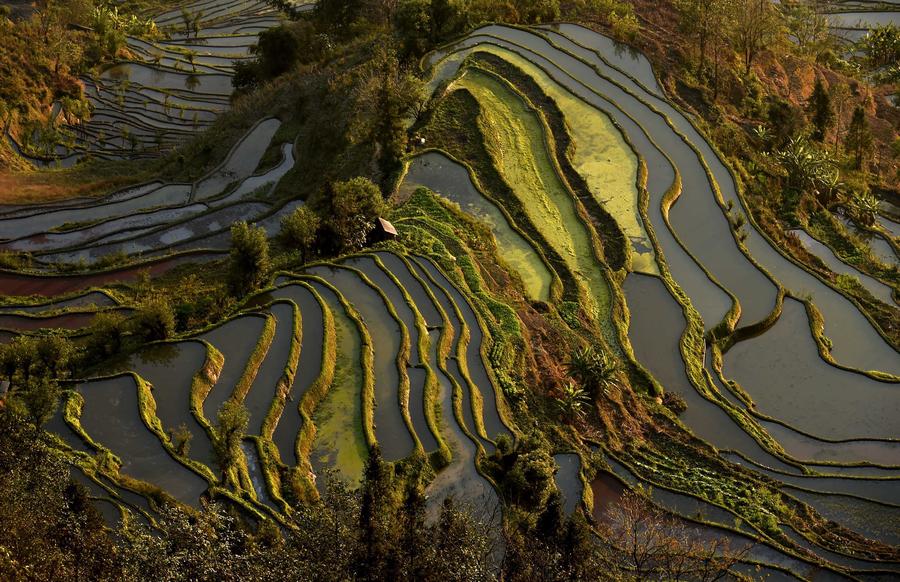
(706, 21)
(277, 50)
(756, 26)
(385, 97)
(881, 46)
(299, 229)
(54, 355)
(643, 543)
(39, 399)
(106, 334)
(819, 106)
(250, 263)
(351, 211)
(155, 320)
(808, 27)
(858, 142)
(375, 494)
(231, 426)
(51, 531)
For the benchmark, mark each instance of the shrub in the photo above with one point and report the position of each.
(298, 230)
(155, 320)
(250, 262)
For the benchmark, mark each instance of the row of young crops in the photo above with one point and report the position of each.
(604, 200)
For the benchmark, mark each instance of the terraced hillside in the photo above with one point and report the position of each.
(170, 88)
(559, 208)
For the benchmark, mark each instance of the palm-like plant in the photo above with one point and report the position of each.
(863, 207)
(593, 368)
(808, 169)
(572, 401)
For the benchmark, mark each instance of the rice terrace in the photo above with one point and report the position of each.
(450, 290)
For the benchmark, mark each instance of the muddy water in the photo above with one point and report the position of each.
(49, 286)
(339, 442)
(170, 369)
(568, 481)
(440, 174)
(856, 343)
(237, 340)
(474, 360)
(801, 389)
(92, 299)
(308, 368)
(111, 417)
(390, 427)
(264, 389)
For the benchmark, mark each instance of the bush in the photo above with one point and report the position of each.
(299, 229)
(250, 262)
(155, 321)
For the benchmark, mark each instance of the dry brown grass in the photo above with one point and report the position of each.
(40, 187)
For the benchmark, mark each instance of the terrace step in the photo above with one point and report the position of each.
(393, 428)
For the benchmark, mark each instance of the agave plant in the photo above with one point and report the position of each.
(863, 206)
(808, 169)
(592, 367)
(572, 401)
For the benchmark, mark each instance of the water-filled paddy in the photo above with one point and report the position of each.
(91, 299)
(801, 389)
(390, 427)
(170, 370)
(520, 154)
(308, 367)
(857, 344)
(475, 364)
(568, 481)
(417, 375)
(339, 442)
(881, 291)
(265, 385)
(710, 301)
(440, 174)
(111, 417)
(460, 479)
(602, 157)
(236, 340)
